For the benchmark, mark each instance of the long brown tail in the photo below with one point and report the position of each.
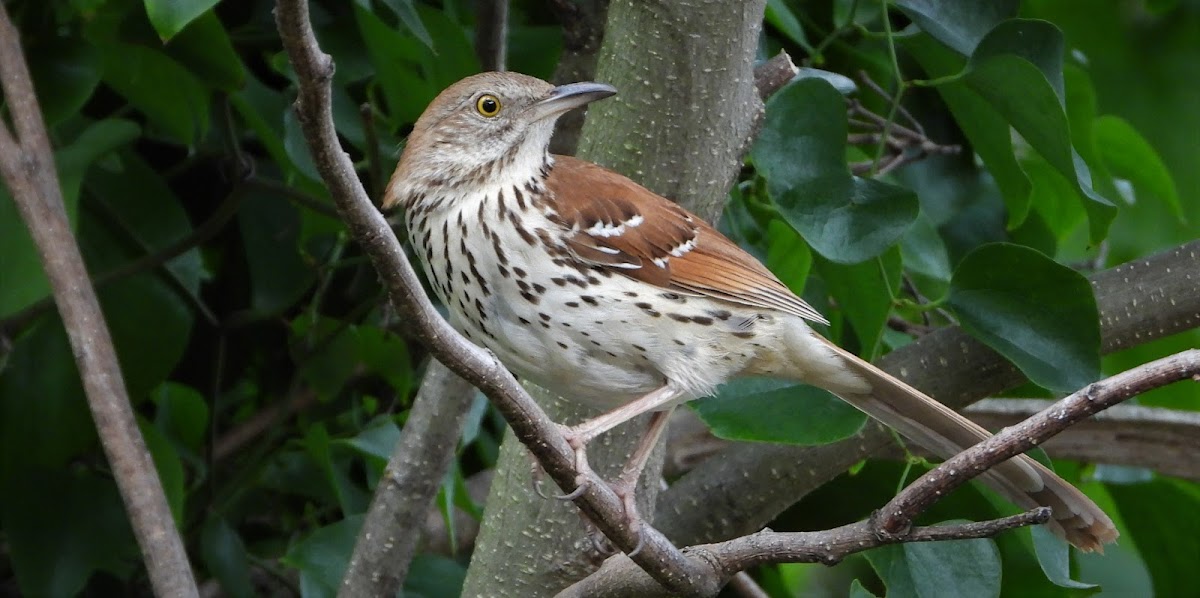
(940, 429)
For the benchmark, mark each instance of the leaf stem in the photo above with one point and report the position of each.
(901, 87)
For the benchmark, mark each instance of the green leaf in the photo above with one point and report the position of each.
(968, 568)
(326, 353)
(1017, 68)
(61, 526)
(1054, 555)
(262, 109)
(181, 413)
(171, 97)
(171, 16)
(97, 141)
(21, 274)
(1037, 313)
(924, 255)
(781, 17)
(225, 556)
(279, 274)
(960, 25)
(1160, 518)
(142, 215)
(1039, 43)
(205, 49)
(1128, 155)
(432, 576)
(987, 130)
(803, 136)
(323, 555)
(386, 354)
(788, 256)
(766, 410)
(65, 73)
(335, 469)
(1054, 197)
(858, 591)
(41, 365)
(849, 220)
(801, 153)
(1120, 571)
(864, 293)
(376, 441)
(408, 15)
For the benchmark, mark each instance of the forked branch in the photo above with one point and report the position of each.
(893, 523)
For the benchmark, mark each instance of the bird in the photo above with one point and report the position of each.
(589, 285)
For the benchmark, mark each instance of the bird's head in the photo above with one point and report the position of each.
(487, 128)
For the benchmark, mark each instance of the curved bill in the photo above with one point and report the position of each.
(567, 97)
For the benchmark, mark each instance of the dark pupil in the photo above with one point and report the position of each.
(489, 106)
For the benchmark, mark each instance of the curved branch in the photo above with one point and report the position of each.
(1139, 302)
(27, 164)
(900, 512)
(893, 523)
(314, 71)
(1156, 438)
(618, 578)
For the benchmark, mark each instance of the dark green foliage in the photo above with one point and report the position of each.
(174, 139)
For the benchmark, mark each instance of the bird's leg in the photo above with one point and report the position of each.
(579, 435)
(626, 484)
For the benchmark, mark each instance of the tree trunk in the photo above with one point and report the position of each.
(686, 108)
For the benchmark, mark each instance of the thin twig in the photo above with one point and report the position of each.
(893, 523)
(374, 159)
(1140, 301)
(314, 70)
(1155, 438)
(27, 165)
(952, 473)
(14, 324)
(619, 578)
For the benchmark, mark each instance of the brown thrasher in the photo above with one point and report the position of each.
(597, 289)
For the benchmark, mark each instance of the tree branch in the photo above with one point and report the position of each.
(314, 70)
(491, 34)
(1139, 302)
(900, 512)
(618, 578)
(27, 164)
(389, 535)
(893, 523)
(583, 29)
(1156, 438)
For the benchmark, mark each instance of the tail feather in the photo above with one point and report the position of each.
(940, 429)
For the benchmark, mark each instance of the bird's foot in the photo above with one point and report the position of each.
(624, 487)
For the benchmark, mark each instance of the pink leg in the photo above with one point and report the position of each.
(626, 484)
(580, 435)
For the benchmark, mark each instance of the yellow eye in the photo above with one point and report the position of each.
(487, 105)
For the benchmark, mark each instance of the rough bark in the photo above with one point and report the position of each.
(583, 30)
(685, 72)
